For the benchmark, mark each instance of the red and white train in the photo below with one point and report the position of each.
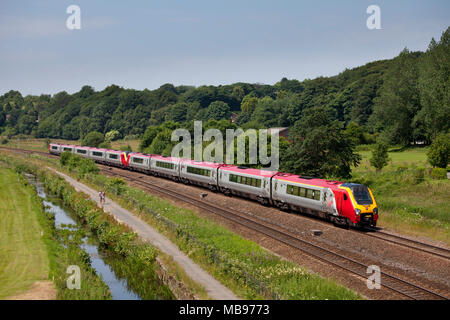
(342, 203)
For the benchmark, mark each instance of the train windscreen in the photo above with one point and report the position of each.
(361, 194)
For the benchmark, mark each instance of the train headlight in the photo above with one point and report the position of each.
(375, 210)
(357, 212)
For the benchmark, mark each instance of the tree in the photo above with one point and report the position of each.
(112, 135)
(355, 132)
(93, 139)
(147, 139)
(320, 146)
(249, 104)
(380, 156)
(439, 152)
(399, 101)
(434, 85)
(217, 110)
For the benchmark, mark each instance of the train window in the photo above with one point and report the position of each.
(68, 149)
(165, 165)
(138, 160)
(310, 193)
(199, 171)
(253, 182)
(113, 156)
(97, 154)
(81, 151)
(302, 192)
(317, 195)
(54, 147)
(345, 197)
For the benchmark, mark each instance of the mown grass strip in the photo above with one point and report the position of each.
(23, 254)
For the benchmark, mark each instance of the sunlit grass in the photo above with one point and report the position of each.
(407, 205)
(23, 256)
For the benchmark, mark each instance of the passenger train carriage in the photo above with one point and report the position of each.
(342, 203)
(200, 173)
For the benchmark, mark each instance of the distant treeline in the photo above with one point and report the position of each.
(402, 100)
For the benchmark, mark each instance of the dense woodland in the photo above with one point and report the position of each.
(399, 101)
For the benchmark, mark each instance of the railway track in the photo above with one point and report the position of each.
(411, 243)
(392, 282)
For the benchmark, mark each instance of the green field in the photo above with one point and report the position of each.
(407, 204)
(23, 256)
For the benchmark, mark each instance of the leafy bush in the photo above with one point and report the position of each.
(75, 162)
(439, 173)
(64, 158)
(419, 175)
(380, 156)
(5, 141)
(112, 135)
(126, 148)
(105, 145)
(439, 152)
(116, 185)
(93, 139)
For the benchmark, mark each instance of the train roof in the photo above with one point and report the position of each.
(312, 181)
(201, 163)
(138, 154)
(250, 171)
(163, 158)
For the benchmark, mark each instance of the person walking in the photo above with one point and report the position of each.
(100, 195)
(103, 196)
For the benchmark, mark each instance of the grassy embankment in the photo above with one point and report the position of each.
(242, 265)
(410, 201)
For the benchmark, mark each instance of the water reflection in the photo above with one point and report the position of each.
(63, 220)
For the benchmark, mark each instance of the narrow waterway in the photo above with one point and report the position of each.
(64, 219)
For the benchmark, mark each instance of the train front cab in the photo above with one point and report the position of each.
(357, 203)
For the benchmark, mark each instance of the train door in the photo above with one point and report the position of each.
(339, 196)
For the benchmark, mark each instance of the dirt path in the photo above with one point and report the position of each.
(213, 287)
(40, 290)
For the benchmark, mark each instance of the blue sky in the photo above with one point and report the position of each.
(144, 44)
